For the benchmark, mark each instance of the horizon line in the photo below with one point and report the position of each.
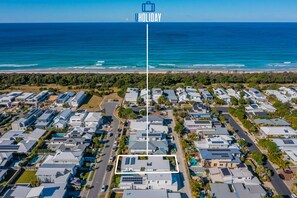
(53, 22)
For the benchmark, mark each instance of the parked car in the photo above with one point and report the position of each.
(103, 188)
(109, 167)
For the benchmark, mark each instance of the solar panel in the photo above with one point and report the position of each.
(127, 161)
(132, 160)
(225, 171)
(288, 141)
(135, 180)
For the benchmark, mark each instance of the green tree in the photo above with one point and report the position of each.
(258, 157)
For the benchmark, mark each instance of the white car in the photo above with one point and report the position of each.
(103, 188)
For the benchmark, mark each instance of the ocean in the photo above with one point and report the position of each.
(172, 46)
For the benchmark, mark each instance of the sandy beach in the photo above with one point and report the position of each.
(60, 71)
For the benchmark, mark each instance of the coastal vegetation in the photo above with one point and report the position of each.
(124, 80)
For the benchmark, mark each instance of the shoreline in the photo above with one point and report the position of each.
(61, 71)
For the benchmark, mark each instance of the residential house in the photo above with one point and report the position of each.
(218, 142)
(206, 95)
(271, 122)
(64, 98)
(287, 146)
(78, 99)
(157, 143)
(61, 121)
(281, 97)
(6, 100)
(193, 124)
(239, 174)
(45, 119)
(220, 157)
(22, 98)
(182, 95)
(150, 194)
(257, 95)
(131, 96)
(145, 94)
(44, 190)
(170, 96)
(5, 159)
(222, 94)
(222, 190)
(78, 118)
(149, 164)
(232, 93)
(157, 93)
(28, 120)
(93, 119)
(278, 131)
(36, 99)
(165, 181)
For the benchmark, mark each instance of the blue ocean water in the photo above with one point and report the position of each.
(172, 46)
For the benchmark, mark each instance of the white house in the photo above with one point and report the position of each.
(166, 181)
(157, 93)
(93, 119)
(278, 131)
(131, 96)
(78, 99)
(78, 118)
(222, 94)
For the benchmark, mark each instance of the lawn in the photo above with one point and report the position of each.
(93, 104)
(27, 177)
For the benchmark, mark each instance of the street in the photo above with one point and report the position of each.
(186, 190)
(276, 181)
(101, 175)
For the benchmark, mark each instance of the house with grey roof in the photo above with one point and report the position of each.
(131, 96)
(222, 190)
(45, 119)
(44, 190)
(78, 118)
(78, 99)
(233, 175)
(156, 94)
(28, 120)
(61, 120)
(64, 98)
(55, 173)
(56, 142)
(220, 157)
(148, 164)
(36, 99)
(206, 96)
(213, 132)
(157, 143)
(194, 124)
(271, 122)
(166, 181)
(22, 98)
(93, 119)
(171, 96)
(287, 146)
(7, 99)
(150, 194)
(5, 159)
(257, 95)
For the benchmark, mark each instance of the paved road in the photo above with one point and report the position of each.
(276, 181)
(101, 176)
(180, 158)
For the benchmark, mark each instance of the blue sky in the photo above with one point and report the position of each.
(123, 10)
